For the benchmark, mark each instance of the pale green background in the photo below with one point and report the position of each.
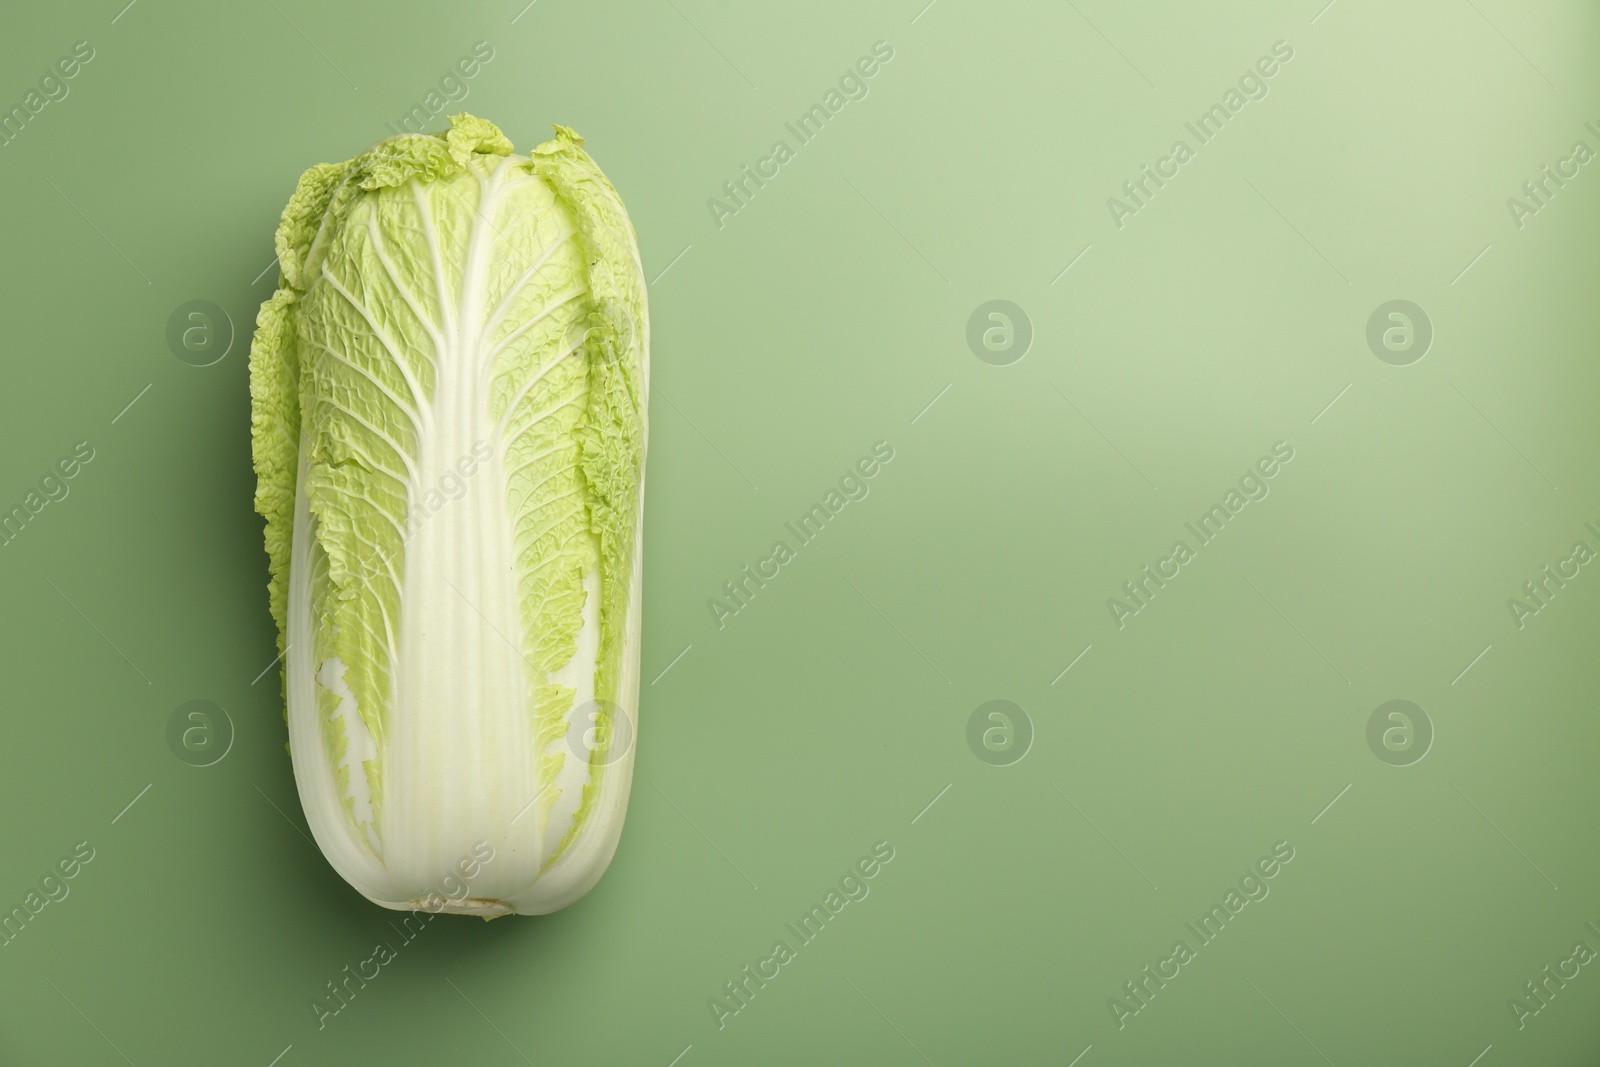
(807, 328)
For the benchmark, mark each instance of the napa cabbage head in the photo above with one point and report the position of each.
(448, 417)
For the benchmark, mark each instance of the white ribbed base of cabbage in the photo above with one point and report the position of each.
(458, 770)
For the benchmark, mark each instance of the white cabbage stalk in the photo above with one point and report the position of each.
(448, 414)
